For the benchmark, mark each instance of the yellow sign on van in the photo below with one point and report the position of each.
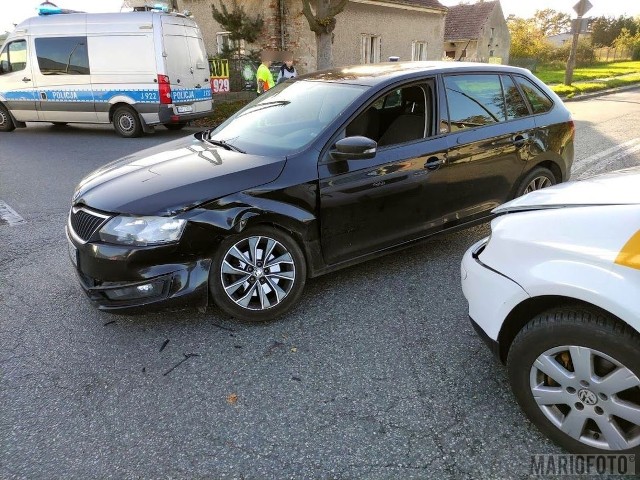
(219, 75)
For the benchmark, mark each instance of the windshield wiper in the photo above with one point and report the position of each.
(221, 143)
(263, 105)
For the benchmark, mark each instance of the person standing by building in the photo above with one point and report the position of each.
(287, 71)
(264, 76)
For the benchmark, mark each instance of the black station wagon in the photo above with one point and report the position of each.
(319, 173)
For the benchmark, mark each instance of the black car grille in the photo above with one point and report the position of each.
(85, 223)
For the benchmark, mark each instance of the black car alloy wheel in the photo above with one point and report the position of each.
(537, 179)
(258, 274)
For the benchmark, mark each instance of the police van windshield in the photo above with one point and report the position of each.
(286, 118)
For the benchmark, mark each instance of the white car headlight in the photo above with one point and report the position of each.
(142, 231)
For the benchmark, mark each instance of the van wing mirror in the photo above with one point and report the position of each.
(354, 148)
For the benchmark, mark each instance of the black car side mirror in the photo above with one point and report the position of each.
(354, 148)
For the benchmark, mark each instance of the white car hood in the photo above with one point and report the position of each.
(616, 188)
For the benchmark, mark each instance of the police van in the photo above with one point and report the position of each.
(135, 70)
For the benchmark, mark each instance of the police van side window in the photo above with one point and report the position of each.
(62, 55)
(13, 57)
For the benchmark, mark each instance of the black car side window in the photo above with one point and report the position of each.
(400, 116)
(474, 100)
(62, 55)
(539, 102)
(515, 104)
(13, 57)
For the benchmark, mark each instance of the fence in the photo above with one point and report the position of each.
(611, 54)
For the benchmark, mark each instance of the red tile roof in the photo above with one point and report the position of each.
(464, 22)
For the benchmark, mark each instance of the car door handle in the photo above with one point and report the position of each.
(433, 163)
(25, 79)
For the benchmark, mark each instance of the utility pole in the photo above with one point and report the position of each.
(582, 7)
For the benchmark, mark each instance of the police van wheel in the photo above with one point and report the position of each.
(6, 122)
(175, 126)
(127, 122)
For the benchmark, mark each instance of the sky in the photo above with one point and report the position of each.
(526, 8)
(15, 11)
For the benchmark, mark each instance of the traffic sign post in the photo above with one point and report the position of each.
(582, 7)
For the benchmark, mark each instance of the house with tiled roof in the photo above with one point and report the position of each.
(367, 31)
(477, 32)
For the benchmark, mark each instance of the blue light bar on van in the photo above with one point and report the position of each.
(48, 8)
(160, 8)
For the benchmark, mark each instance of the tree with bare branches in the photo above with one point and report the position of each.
(321, 15)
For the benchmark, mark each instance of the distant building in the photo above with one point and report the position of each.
(477, 32)
(367, 31)
(559, 39)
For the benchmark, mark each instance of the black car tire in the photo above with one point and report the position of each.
(175, 126)
(6, 122)
(295, 287)
(127, 122)
(539, 176)
(576, 326)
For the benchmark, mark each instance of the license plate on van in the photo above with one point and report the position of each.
(185, 108)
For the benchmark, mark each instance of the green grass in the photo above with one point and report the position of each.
(600, 70)
(585, 87)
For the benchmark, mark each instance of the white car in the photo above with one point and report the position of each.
(555, 292)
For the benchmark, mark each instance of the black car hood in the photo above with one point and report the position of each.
(173, 177)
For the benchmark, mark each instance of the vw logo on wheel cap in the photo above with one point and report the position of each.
(587, 397)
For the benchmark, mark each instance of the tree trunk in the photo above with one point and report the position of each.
(324, 51)
(322, 23)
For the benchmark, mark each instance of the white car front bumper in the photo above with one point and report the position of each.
(491, 295)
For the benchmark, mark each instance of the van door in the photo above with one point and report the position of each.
(63, 79)
(186, 66)
(17, 88)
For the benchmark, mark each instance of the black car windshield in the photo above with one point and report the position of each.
(286, 118)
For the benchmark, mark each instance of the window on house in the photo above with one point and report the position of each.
(370, 48)
(419, 51)
(224, 43)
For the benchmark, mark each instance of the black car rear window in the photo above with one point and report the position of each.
(539, 102)
(516, 106)
(474, 100)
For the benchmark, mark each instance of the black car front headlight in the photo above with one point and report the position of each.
(142, 231)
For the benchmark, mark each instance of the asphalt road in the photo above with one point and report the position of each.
(377, 373)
